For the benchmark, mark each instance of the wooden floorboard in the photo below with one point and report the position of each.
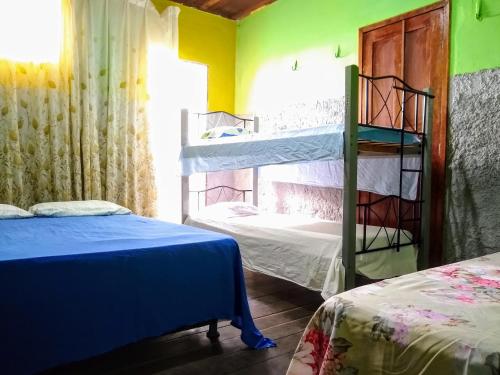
(231, 355)
(281, 310)
(274, 366)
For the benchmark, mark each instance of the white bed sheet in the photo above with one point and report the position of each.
(305, 156)
(305, 250)
(378, 174)
(248, 151)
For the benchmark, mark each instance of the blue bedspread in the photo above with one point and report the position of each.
(75, 287)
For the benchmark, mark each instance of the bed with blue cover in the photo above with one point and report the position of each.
(75, 287)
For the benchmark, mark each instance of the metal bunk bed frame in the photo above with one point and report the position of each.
(185, 192)
(353, 81)
(354, 116)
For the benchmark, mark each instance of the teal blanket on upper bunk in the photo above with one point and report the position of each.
(368, 133)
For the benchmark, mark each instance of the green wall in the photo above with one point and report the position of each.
(475, 45)
(287, 30)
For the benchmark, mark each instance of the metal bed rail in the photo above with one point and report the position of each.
(223, 193)
(237, 120)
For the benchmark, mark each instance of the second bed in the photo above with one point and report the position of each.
(301, 249)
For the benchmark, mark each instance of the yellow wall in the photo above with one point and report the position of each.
(210, 40)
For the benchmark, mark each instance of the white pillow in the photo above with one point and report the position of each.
(229, 209)
(12, 212)
(78, 208)
(224, 131)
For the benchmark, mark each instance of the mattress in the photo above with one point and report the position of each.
(377, 174)
(75, 287)
(292, 146)
(305, 250)
(444, 320)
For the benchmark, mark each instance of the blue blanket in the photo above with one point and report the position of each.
(75, 287)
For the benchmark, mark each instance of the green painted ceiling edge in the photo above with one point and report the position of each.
(287, 27)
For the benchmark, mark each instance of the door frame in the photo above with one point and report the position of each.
(439, 191)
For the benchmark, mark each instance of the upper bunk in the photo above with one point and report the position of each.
(391, 118)
(292, 146)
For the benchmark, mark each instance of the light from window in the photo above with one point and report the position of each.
(172, 85)
(31, 30)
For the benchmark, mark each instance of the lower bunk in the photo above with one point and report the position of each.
(76, 287)
(305, 250)
(439, 321)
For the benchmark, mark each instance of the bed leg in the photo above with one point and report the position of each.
(213, 333)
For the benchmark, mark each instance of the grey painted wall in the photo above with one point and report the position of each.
(324, 203)
(472, 212)
(304, 115)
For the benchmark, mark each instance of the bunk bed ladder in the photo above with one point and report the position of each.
(424, 172)
(350, 176)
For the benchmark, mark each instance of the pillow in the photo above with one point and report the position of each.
(12, 212)
(228, 210)
(78, 208)
(224, 131)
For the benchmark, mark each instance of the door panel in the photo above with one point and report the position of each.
(416, 75)
(414, 47)
(383, 46)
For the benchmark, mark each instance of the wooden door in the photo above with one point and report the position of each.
(414, 47)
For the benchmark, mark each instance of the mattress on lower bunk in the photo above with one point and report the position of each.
(376, 174)
(305, 250)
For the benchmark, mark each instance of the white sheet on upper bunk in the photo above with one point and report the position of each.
(258, 149)
(303, 250)
(318, 150)
(377, 174)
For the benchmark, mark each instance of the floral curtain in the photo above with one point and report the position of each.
(78, 129)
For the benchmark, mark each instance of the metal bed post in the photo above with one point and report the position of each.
(425, 227)
(350, 175)
(184, 179)
(255, 174)
(213, 333)
(401, 170)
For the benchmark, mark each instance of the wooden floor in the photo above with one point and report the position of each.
(281, 310)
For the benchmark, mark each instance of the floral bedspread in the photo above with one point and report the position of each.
(444, 320)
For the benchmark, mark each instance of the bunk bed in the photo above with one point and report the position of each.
(330, 254)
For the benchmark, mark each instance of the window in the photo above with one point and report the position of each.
(193, 92)
(172, 84)
(30, 30)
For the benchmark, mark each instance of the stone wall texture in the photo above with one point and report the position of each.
(324, 203)
(472, 212)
